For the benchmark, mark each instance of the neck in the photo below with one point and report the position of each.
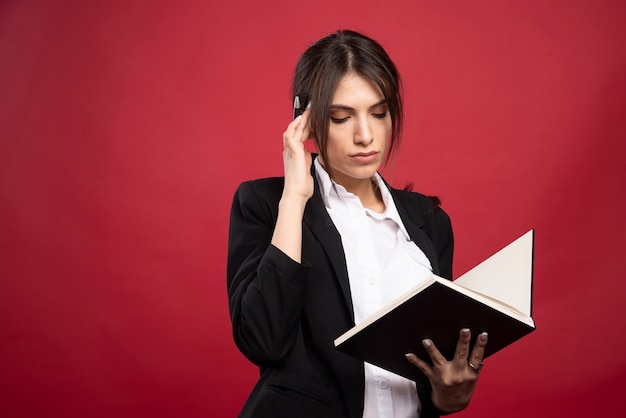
(368, 193)
(365, 189)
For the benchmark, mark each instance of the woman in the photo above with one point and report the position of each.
(317, 251)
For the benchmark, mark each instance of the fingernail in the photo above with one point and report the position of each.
(465, 332)
(408, 355)
(308, 106)
(483, 337)
(426, 343)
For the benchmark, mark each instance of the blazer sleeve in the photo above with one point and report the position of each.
(265, 286)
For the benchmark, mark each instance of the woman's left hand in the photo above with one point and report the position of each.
(453, 382)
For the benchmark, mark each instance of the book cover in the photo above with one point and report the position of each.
(498, 300)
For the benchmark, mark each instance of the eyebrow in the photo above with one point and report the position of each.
(344, 107)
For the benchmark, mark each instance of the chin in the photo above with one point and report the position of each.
(364, 173)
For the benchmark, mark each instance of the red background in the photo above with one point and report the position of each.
(126, 126)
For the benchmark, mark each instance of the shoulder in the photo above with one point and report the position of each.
(427, 207)
(263, 186)
(258, 197)
(426, 212)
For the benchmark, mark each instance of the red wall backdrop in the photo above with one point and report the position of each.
(125, 127)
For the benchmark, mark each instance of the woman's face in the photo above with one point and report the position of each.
(360, 128)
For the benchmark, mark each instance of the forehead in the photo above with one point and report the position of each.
(354, 90)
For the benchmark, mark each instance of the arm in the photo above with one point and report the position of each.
(452, 383)
(264, 284)
(265, 276)
(297, 191)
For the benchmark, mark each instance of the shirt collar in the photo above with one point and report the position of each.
(328, 187)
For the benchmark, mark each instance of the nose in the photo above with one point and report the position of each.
(363, 134)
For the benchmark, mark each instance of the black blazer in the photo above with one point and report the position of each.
(286, 315)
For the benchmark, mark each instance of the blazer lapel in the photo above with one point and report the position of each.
(319, 222)
(321, 225)
(414, 224)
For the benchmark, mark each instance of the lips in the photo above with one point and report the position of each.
(365, 157)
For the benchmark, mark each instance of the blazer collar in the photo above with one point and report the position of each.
(321, 225)
(415, 224)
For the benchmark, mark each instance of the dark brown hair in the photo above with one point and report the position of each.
(322, 66)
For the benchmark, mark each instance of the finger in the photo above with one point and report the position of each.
(297, 131)
(291, 129)
(462, 346)
(304, 128)
(478, 352)
(435, 355)
(420, 364)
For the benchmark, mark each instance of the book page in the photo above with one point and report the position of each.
(505, 276)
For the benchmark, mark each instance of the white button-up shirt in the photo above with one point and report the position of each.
(383, 263)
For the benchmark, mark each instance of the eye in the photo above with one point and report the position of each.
(339, 120)
(380, 115)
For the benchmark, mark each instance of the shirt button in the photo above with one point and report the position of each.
(384, 384)
(372, 281)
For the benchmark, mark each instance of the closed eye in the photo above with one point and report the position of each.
(380, 115)
(339, 120)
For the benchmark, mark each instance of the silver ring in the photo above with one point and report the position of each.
(476, 368)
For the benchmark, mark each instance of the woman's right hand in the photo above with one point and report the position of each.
(297, 160)
(298, 188)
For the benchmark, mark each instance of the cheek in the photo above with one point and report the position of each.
(387, 127)
(335, 141)
(383, 131)
(331, 149)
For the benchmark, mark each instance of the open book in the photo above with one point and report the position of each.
(495, 296)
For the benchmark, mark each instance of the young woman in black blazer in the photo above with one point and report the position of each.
(313, 252)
